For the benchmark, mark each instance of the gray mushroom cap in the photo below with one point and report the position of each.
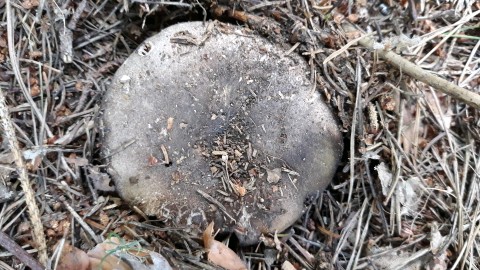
(214, 123)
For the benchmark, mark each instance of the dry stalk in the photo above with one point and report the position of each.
(34, 213)
(420, 74)
(19, 252)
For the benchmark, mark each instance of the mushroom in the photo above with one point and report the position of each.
(211, 122)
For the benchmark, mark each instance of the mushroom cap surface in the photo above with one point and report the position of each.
(211, 122)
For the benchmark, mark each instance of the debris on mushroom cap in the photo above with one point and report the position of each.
(237, 133)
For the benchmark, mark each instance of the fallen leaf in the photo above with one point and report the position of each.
(353, 18)
(385, 176)
(385, 258)
(437, 240)
(219, 254)
(152, 161)
(239, 189)
(438, 263)
(408, 194)
(101, 181)
(112, 254)
(77, 161)
(29, 4)
(169, 123)
(288, 266)
(273, 176)
(73, 258)
(104, 256)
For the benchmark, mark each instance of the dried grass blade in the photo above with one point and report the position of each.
(34, 213)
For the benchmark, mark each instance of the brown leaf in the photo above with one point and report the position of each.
(239, 189)
(219, 254)
(152, 161)
(353, 18)
(73, 258)
(104, 219)
(170, 123)
(207, 236)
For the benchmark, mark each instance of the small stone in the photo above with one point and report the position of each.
(273, 176)
(242, 105)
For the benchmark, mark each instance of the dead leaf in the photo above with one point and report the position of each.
(273, 176)
(104, 219)
(396, 260)
(385, 176)
(152, 161)
(73, 258)
(101, 181)
(409, 193)
(437, 240)
(353, 18)
(239, 189)
(288, 266)
(7, 158)
(29, 4)
(169, 123)
(388, 102)
(219, 254)
(104, 256)
(438, 263)
(77, 161)
(112, 254)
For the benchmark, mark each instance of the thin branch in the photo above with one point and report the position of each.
(17, 251)
(420, 74)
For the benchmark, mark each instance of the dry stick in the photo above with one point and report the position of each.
(82, 223)
(34, 213)
(420, 74)
(14, 248)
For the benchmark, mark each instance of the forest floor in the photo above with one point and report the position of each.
(406, 195)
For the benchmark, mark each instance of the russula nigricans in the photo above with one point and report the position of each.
(211, 122)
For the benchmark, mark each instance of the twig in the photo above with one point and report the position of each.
(420, 74)
(291, 251)
(309, 257)
(217, 203)
(467, 64)
(82, 223)
(34, 213)
(356, 113)
(344, 48)
(14, 248)
(265, 4)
